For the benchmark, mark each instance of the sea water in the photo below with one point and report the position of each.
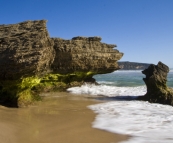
(121, 113)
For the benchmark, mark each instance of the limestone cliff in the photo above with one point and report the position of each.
(31, 61)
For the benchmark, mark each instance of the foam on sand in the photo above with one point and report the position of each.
(144, 121)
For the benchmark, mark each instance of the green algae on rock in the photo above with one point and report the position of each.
(32, 62)
(60, 82)
(24, 92)
(18, 92)
(157, 90)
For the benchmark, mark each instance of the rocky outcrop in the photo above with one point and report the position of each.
(25, 50)
(81, 54)
(157, 90)
(31, 61)
(132, 65)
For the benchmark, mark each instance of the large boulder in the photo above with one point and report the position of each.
(157, 90)
(32, 62)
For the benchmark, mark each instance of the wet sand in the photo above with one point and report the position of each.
(59, 118)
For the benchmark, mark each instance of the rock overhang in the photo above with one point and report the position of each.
(28, 55)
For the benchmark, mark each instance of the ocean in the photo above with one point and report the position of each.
(121, 113)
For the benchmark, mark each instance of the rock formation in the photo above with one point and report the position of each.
(25, 50)
(83, 54)
(157, 90)
(31, 61)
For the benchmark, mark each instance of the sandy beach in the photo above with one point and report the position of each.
(59, 118)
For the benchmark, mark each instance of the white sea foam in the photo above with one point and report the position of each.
(110, 91)
(145, 122)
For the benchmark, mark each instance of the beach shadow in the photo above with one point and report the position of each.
(116, 98)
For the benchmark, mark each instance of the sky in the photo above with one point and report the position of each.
(141, 29)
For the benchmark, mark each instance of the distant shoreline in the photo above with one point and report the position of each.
(126, 65)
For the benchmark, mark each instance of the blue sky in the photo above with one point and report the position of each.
(142, 29)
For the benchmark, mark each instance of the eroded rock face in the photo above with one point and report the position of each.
(157, 90)
(31, 61)
(25, 50)
(84, 54)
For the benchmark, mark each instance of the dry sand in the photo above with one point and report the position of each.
(59, 118)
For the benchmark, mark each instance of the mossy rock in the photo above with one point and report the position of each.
(18, 92)
(25, 91)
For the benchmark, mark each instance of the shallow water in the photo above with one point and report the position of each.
(121, 78)
(144, 121)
